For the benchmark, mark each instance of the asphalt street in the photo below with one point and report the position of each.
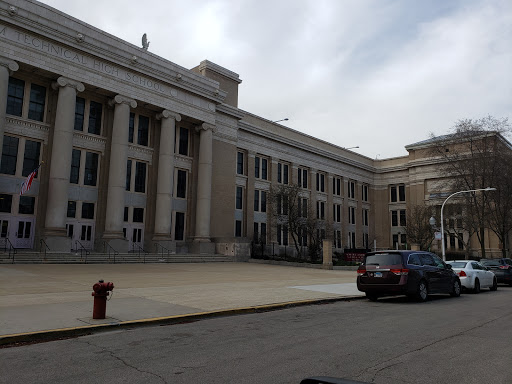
(445, 340)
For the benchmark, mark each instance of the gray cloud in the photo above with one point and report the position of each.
(378, 74)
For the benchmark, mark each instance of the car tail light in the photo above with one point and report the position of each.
(504, 266)
(462, 274)
(361, 271)
(402, 271)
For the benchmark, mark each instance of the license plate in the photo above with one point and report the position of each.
(378, 274)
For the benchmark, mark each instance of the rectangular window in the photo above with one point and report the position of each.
(240, 163)
(95, 113)
(394, 218)
(183, 143)
(91, 168)
(181, 187)
(336, 186)
(71, 209)
(264, 163)
(256, 235)
(140, 177)
(128, 174)
(320, 210)
(5, 203)
(179, 227)
(351, 190)
(131, 127)
(403, 220)
(79, 114)
(256, 201)
(401, 192)
(366, 244)
(364, 196)
(459, 240)
(393, 194)
(320, 182)
(302, 177)
(352, 240)
(138, 215)
(37, 102)
(403, 239)
(351, 215)
(257, 167)
(239, 198)
(87, 210)
(336, 213)
(15, 93)
(238, 228)
(263, 201)
(264, 233)
(285, 177)
(27, 204)
(125, 214)
(365, 217)
(143, 131)
(452, 240)
(9, 155)
(75, 166)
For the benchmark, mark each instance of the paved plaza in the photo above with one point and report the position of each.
(45, 297)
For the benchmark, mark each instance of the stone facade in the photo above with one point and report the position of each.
(140, 153)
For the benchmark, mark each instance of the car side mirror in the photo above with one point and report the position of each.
(448, 266)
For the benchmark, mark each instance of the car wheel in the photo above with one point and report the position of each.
(422, 291)
(476, 289)
(455, 289)
(494, 285)
(371, 296)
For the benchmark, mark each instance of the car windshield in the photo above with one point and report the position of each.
(490, 262)
(458, 264)
(383, 259)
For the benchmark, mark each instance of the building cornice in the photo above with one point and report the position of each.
(205, 64)
(36, 18)
(230, 111)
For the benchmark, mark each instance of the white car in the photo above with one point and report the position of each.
(474, 275)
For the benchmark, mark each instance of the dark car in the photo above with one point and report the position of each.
(416, 274)
(502, 268)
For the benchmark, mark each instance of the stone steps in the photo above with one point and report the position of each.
(103, 258)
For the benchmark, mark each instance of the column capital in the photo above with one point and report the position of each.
(118, 99)
(205, 127)
(11, 65)
(66, 82)
(166, 114)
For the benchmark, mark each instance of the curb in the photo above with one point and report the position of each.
(64, 333)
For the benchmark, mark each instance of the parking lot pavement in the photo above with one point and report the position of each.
(38, 298)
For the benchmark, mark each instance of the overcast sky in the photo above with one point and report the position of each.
(377, 74)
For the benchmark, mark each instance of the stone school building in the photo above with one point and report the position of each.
(137, 151)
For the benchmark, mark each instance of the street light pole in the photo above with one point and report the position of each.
(442, 206)
(277, 121)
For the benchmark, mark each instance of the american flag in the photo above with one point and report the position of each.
(28, 182)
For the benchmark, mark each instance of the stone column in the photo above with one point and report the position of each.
(251, 159)
(117, 173)
(60, 164)
(204, 190)
(6, 69)
(164, 189)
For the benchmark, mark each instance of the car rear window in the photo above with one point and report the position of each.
(508, 261)
(490, 262)
(458, 264)
(384, 259)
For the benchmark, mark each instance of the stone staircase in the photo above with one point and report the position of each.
(27, 257)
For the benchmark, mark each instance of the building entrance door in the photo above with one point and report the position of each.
(23, 237)
(81, 233)
(134, 233)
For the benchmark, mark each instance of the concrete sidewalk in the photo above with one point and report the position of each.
(38, 299)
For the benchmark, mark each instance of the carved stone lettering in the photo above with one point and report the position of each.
(78, 58)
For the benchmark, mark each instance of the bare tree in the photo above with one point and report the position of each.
(418, 228)
(289, 208)
(471, 158)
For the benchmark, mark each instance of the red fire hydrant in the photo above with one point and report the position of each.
(100, 298)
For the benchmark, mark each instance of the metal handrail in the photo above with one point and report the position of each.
(163, 248)
(11, 248)
(140, 249)
(105, 245)
(82, 248)
(46, 247)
